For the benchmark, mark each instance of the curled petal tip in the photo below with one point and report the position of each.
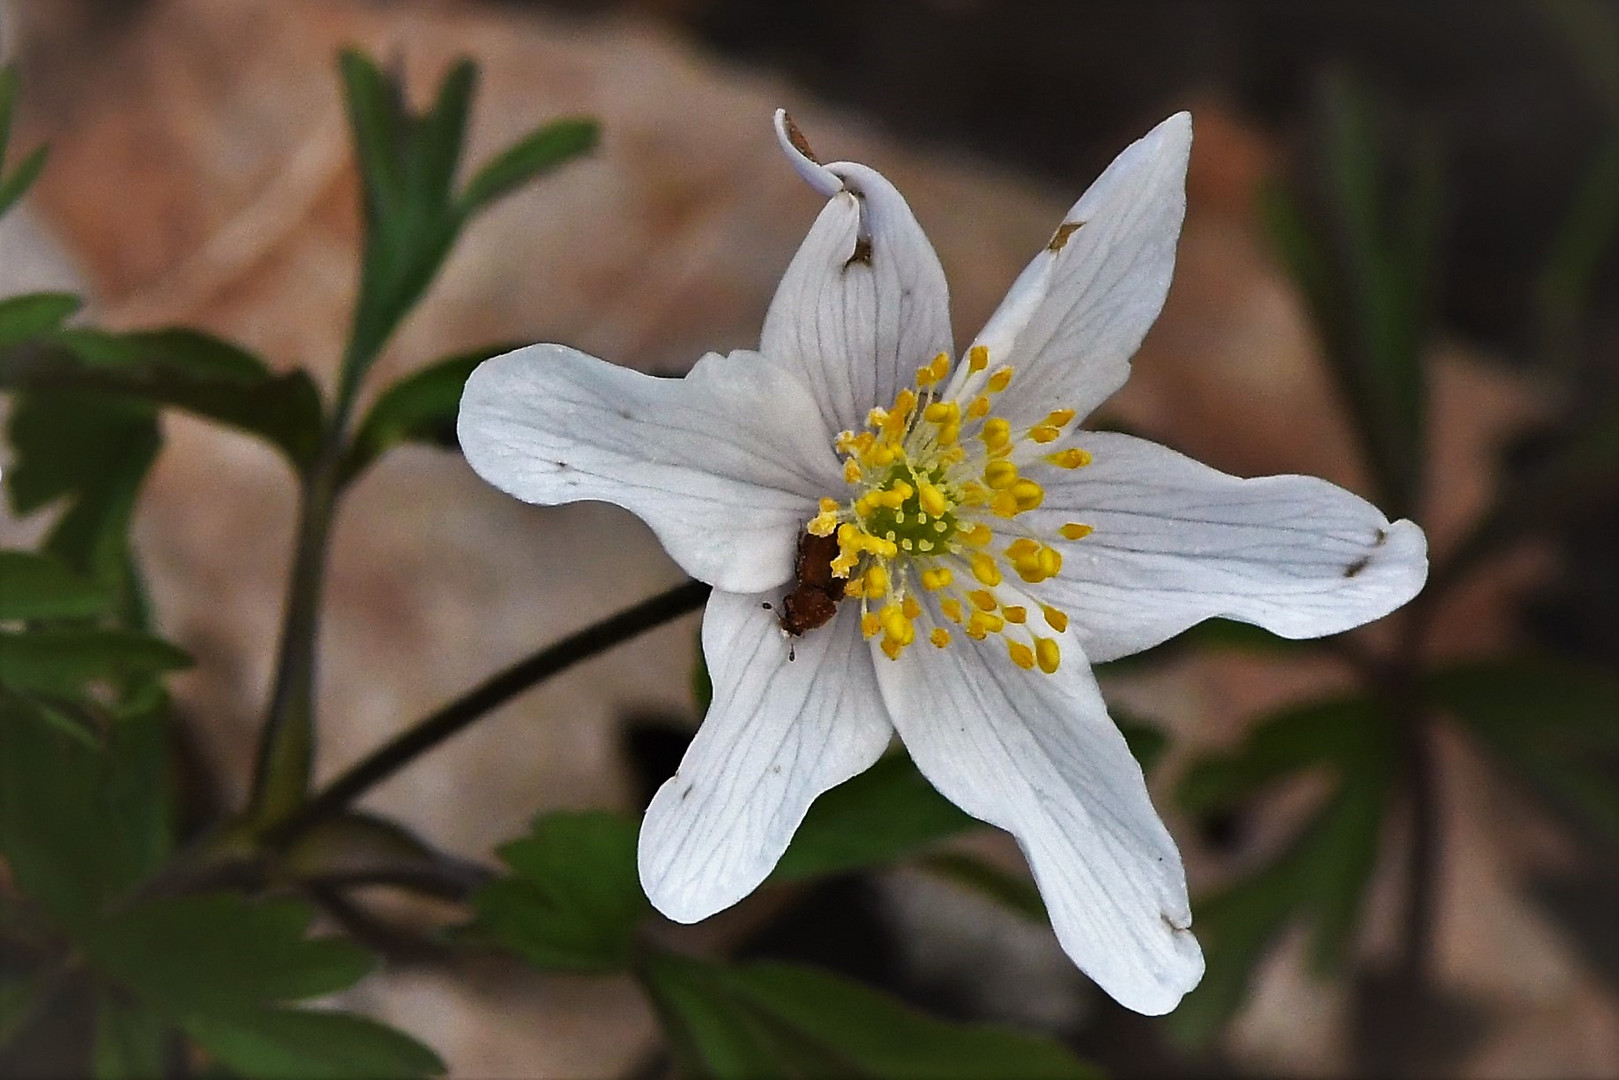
(803, 159)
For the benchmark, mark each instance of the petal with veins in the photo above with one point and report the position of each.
(1078, 312)
(725, 465)
(863, 303)
(1176, 542)
(1037, 755)
(779, 732)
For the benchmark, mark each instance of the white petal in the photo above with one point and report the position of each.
(864, 302)
(1075, 316)
(1177, 542)
(1037, 755)
(725, 465)
(779, 732)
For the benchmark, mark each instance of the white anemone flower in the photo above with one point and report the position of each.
(950, 550)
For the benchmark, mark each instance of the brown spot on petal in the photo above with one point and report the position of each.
(796, 137)
(1060, 237)
(862, 253)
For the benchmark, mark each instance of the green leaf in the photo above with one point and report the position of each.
(1321, 876)
(183, 369)
(16, 184)
(1208, 636)
(573, 899)
(81, 824)
(93, 449)
(771, 1019)
(880, 816)
(39, 586)
(298, 1044)
(63, 659)
(1362, 254)
(219, 953)
(420, 408)
(1552, 723)
(442, 132)
(33, 315)
(131, 1040)
(537, 153)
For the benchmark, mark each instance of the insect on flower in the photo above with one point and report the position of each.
(946, 549)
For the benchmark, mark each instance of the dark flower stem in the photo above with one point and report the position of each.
(494, 692)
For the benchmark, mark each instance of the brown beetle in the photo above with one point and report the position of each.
(814, 598)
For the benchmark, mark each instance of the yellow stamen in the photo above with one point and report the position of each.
(977, 358)
(999, 475)
(1021, 654)
(1072, 458)
(1047, 654)
(869, 625)
(982, 599)
(1056, 618)
(951, 608)
(1015, 614)
(1075, 531)
(1000, 380)
(876, 581)
(985, 570)
(940, 636)
(978, 408)
(937, 578)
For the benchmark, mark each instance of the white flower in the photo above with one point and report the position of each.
(991, 551)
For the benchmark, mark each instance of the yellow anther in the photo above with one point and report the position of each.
(869, 625)
(937, 578)
(912, 609)
(1056, 618)
(891, 648)
(877, 416)
(1059, 417)
(940, 367)
(1000, 475)
(822, 524)
(951, 608)
(855, 588)
(828, 506)
(940, 636)
(904, 402)
(851, 471)
(896, 627)
(1044, 433)
(1071, 458)
(1015, 614)
(880, 455)
(1022, 546)
(1004, 504)
(932, 500)
(977, 536)
(843, 564)
(1050, 561)
(1028, 494)
(883, 549)
(978, 407)
(949, 433)
(941, 412)
(1075, 531)
(1047, 654)
(997, 433)
(1000, 380)
(982, 624)
(924, 375)
(982, 599)
(876, 580)
(985, 570)
(977, 358)
(1021, 654)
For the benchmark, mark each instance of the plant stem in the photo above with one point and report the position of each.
(495, 691)
(1422, 866)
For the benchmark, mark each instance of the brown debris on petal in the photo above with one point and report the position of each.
(862, 253)
(1060, 237)
(796, 137)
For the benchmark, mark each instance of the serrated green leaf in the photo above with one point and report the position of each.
(34, 315)
(183, 369)
(63, 659)
(302, 1044)
(441, 133)
(537, 153)
(81, 824)
(219, 954)
(1552, 723)
(573, 899)
(1349, 734)
(772, 1019)
(93, 449)
(420, 408)
(884, 814)
(39, 586)
(1322, 876)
